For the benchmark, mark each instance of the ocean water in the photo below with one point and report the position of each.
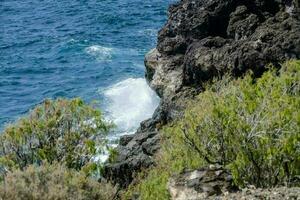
(93, 49)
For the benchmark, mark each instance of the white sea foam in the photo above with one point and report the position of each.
(130, 102)
(101, 53)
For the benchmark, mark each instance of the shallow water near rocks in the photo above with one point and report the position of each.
(91, 49)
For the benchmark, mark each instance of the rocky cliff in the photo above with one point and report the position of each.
(203, 39)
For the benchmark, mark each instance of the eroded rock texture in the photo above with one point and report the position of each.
(134, 153)
(207, 38)
(201, 184)
(203, 39)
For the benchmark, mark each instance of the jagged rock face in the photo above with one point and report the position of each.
(134, 153)
(207, 38)
(203, 39)
(165, 75)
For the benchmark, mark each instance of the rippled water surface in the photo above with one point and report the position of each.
(93, 49)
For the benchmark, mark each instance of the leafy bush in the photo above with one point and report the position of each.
(250, 126)
(57, 130)
(53, 182)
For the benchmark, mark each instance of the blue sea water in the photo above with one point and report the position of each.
(93, 49)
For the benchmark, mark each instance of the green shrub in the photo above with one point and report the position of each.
(251, 126)
(53, 182)
(150, 185)
(55, 131)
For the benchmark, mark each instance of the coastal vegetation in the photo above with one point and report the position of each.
(53, 181)
(228, 121)
(251, 126)
(52, 148)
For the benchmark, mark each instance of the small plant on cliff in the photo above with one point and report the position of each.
(49, 182)
(55, 131)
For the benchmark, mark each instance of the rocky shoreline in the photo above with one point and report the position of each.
(203, 40)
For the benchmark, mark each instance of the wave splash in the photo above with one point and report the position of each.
(130, 102)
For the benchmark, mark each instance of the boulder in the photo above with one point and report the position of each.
(201, 183)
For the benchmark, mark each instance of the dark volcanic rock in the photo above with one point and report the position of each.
(134, 153)
(253, 46)
(203, 39)
(214, 37)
